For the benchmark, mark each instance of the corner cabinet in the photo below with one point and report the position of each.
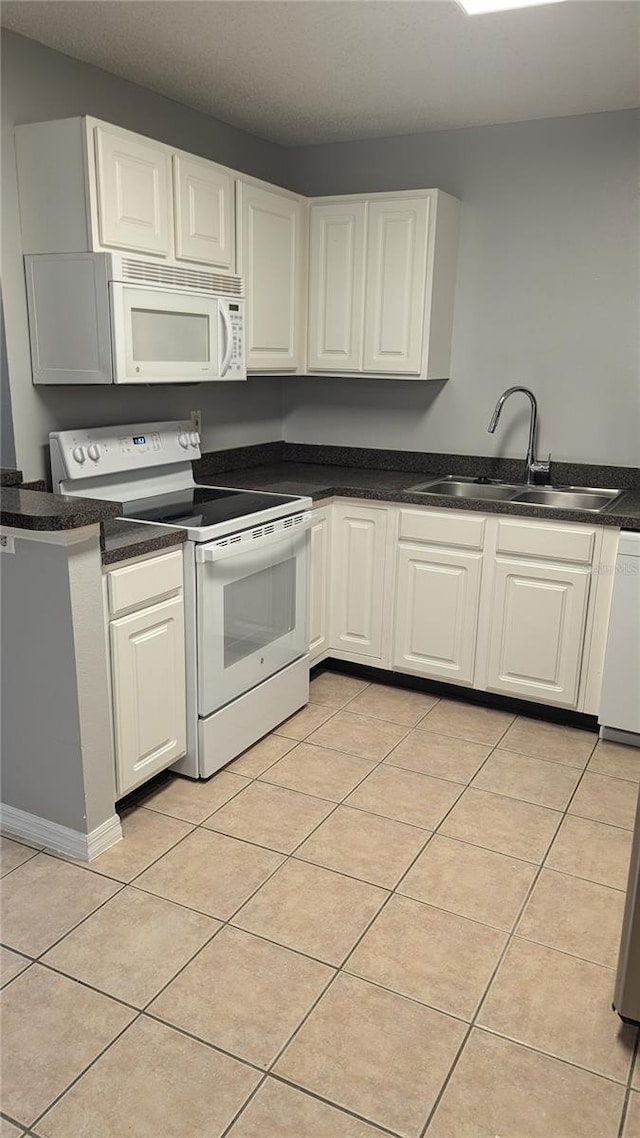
(344, 286)
(145, 614)
(382, 273)
(359, 582)
(272, 238)
(86, 185)
(504, 604)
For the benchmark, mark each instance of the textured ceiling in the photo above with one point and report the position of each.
(312, 71)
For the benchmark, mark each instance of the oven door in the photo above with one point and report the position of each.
(252, 599)
(161, 336)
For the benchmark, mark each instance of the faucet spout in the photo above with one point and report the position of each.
(532, 467)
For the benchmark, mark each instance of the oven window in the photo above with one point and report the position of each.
(167, 337)
(258, 609)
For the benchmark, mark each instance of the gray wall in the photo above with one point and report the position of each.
(547, 282)
(57, 760)
(7, 445)
(40, 84)
(547, 291)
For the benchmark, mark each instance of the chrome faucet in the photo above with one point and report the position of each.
(535, 471)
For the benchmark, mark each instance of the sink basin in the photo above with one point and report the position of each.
(566, 497)
(558, 497)
(466, 488)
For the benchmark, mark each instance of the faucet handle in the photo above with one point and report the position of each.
(541, 471)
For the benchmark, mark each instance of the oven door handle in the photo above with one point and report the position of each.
(252, 540)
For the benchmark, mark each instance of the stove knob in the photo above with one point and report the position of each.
(183, 439)
(78, 454)
(194, 438)
(94, 452)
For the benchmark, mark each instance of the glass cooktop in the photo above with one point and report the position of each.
(203, 506)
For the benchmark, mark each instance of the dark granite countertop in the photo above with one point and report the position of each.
(122, 539)
(35, 510)
(322, 479)
(9, 477)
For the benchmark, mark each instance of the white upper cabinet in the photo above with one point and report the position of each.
(204, 209)
(86, 185)
(396, 258)
(271, 258)
(133, 201)
(336, 285)
(382, 284)
(378, 271)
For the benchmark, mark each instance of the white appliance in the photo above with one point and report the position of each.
(114, 318)
(619, 714)
(246, 578)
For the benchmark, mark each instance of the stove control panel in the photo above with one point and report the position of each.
(105, 451)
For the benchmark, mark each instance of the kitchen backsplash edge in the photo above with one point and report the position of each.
(506, 469)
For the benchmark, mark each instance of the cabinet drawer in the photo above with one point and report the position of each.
(440, 528)
(144, 582)
(551, 541)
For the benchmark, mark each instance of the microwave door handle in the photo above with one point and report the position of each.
(226, 320)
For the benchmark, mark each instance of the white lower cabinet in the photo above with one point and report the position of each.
(510, 605)
(436, 618)
(148, 678)
(358, 561)
(319, 585)
(539, 617)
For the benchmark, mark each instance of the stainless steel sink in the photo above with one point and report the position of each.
(567, 497)
(468, 488)
(554, 497)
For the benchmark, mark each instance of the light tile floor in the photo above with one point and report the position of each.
(395, 915)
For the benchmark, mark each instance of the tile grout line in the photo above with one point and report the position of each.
(26, 861)
(341, 968)
(473, 1022)
(270, 1070)
(634, 1065)
(83, 1072)
(131, 883)
(227, 922)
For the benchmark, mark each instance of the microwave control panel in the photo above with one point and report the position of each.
(237, 367)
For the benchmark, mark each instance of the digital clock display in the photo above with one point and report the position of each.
(139, 440)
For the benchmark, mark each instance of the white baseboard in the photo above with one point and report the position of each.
(615, 735)
(85, 847)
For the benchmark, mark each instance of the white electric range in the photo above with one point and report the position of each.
(246, 578)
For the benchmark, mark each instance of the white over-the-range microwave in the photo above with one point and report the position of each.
(115, 318)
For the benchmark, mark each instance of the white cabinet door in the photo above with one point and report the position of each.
(320, 583)
(358, 544)
(437, 598)
(538, 622)
(271, 259)
(395, 285)
(336, 286)
(148, 682)
(133, 184)
(204, 206)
